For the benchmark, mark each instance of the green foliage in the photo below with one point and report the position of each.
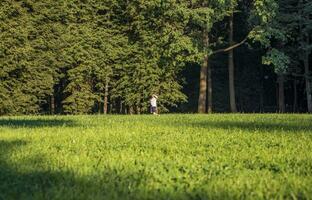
(277, 59)
(154, 56)
(263, 19)
(28, 69)
(291, 28)
(156, 157)
(65, 56)
(77, 47)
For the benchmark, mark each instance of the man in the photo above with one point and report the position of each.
(153, 103)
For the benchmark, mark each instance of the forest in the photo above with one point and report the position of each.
(198, 56)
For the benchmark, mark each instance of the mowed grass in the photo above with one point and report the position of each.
(156, 157)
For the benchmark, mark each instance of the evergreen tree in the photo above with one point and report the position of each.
(27, 65)
(77, 57)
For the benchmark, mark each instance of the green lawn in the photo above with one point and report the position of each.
(156, 157)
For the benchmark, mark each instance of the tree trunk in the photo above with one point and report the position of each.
(52, 105)
(231, 68)
(308, 82)
(100, 105)
(305, 38)
(281, 96)
(261, 102)
(295, 107)
(209, 77)
(121, 108)
(110, 108)
(105, 106)
(203, 87)
(131, 110)
(202, 100)
(261, 95)
(138, 110)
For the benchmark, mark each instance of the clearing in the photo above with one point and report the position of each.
(220, 156)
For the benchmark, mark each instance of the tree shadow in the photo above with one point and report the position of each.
(250, 126)
(43, 184)
(255, 126)
(36, 123)
(109, 184)
(106, 184)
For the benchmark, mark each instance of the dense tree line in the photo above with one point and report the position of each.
(92, 56)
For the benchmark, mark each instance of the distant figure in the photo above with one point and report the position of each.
(153, 102)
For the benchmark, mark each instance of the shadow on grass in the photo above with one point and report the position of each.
(108, 184)
(245, 125)
(36, 123)
(255, 126)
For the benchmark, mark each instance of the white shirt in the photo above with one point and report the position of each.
(153, 102)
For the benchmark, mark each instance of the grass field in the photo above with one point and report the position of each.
(156, 157)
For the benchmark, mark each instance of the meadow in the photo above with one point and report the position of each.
(220, 156)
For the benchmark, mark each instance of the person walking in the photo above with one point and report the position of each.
(153, 104)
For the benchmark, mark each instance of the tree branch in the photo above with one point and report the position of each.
(230, 47)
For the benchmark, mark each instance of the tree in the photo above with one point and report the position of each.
(231, 67)
(79, 57)
(28, 68)
(261, 15)
(154, 55)
(293, 25)
(202, 16)
(305, 28)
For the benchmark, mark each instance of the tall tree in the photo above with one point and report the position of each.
(305, 27)
(231, 66)
(262, 14)
(80, 57)
(202, 16)
(293, 23)
(28, 66)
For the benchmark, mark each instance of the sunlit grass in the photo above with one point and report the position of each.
(156, 157)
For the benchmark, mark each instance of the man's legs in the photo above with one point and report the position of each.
(154, 110)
